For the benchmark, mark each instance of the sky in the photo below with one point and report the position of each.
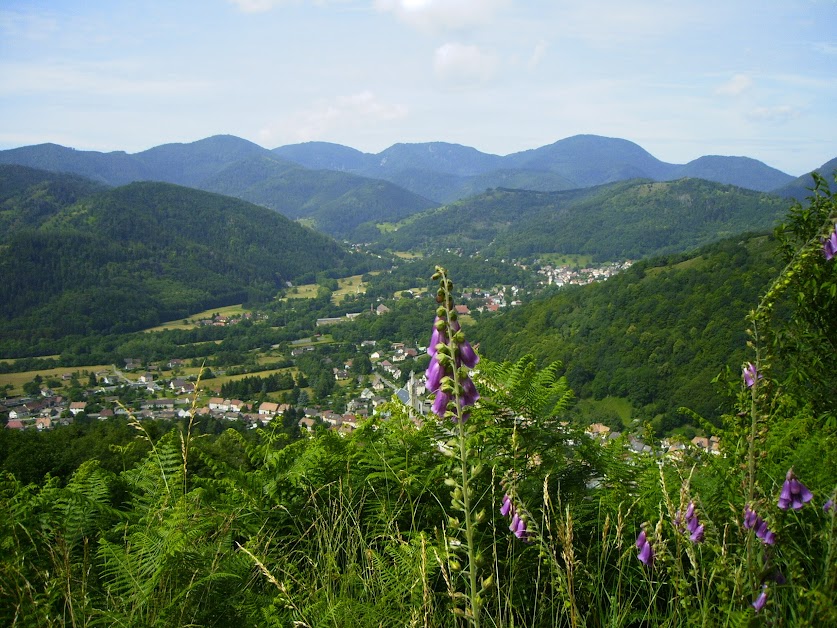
(681, 79)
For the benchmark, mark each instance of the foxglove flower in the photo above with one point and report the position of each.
(753, 522)
(434, 375)
(794, 493)
(829, 245)
(518, 525)
(646, 552)
(689, 522)
(828, 506)
(507, 505)
(761, 600)
(520, 530)
(449, 352)
(751, 375)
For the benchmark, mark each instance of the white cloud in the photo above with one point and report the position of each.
(463, 65)
(779, 113)
(325, 119)
(255, 6)
(537, 55)
(735, 86)
(434, 15)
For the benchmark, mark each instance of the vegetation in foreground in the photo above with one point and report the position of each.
(489, 512)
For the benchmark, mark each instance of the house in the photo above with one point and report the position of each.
(106, 413)
(15, 424)
(43, 423)
(597, 429)
(181, 385)
(236, 405)
(77, 407)
(268, 408)
(146, 378)
(176, 363)
(462, 309)
(381, 309)
(218, 404)
(711, 445)
(307, 423)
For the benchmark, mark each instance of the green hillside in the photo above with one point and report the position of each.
(336, 203)
(630, 219)
(655, 335)
(132, 257)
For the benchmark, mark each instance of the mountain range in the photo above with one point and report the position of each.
(346, 193)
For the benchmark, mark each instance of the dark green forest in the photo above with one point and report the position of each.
(627, 220)
(132, 257)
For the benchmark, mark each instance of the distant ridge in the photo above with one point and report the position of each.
(340, 191)
(574, 162)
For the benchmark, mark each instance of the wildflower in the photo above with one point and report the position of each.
(751, 375)
(518, 525)
(507, 505)
(753, 522)
(646, 552)
(520, 530)
(829, 246)
(447, 374)
(828, 506)
(794, 493)
(761, 600)
(694, 526)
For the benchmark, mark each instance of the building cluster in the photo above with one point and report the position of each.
(568, 275)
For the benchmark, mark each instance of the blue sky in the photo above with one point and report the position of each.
(681, 79)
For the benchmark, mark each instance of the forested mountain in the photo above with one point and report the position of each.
(574, 162)
(656, 334)
(630, 219)
(336, 203)
(340, 204)
(131, 257)
(800, 188)
(28, 196)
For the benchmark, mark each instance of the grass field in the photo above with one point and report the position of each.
(305, 291)
(230, 310)
(610, 406)
(17, 380)
(560, 259)
(348, 286)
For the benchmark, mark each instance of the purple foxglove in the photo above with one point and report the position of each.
(696, 535)
(751, 519)
(829, 247)
(434, 375)
(507, 505)
(761, 600)
(646, 553)
(520, 529)
(467, 355)
(435, 338)
(828, 506)
(513, 525)
(469, 392)
(440, 403)
(794, 493)
(690, 511)
(641, 540)
(751, 375)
